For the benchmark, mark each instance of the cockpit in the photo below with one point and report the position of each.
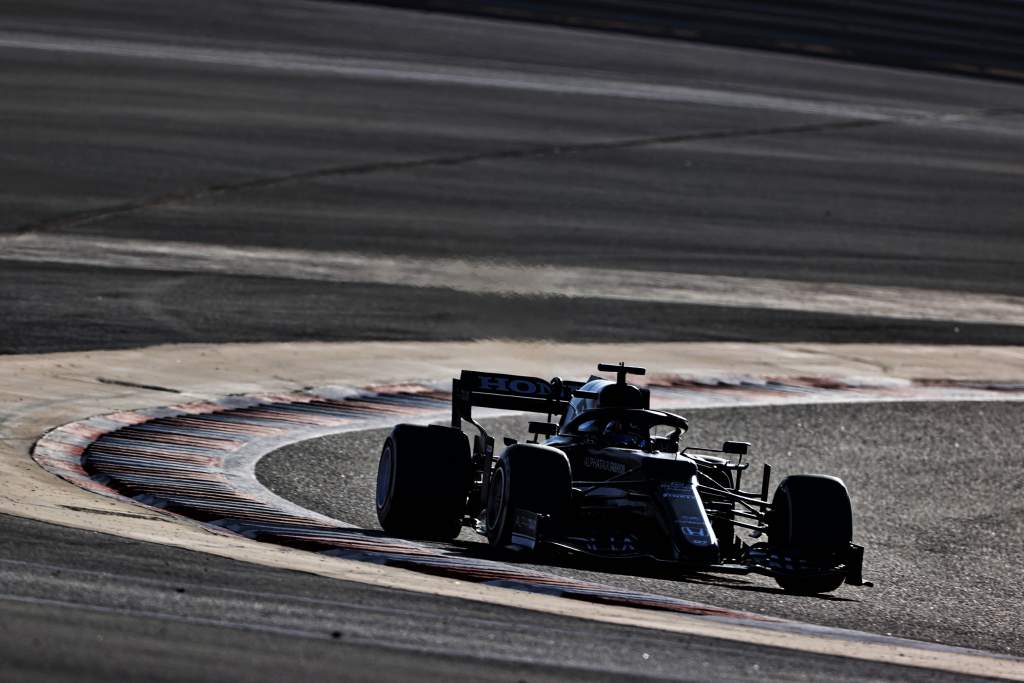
(648, 430)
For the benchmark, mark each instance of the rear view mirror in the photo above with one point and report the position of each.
(735, 447)
(544, 428)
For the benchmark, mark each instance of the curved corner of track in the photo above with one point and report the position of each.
(182, 474)
(197, 460)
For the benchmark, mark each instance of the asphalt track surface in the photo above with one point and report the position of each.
(232, 123)
(81, 606)
(296, 125)
(934, 491)
(57, 307)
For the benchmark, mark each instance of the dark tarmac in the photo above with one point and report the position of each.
(57, 307)
(300, 125)
(227, 126)
(80, 606)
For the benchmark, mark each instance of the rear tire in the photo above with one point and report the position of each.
(811, 519)
(423, 480)
(528, 477)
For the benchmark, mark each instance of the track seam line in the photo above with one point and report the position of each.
(540, 151)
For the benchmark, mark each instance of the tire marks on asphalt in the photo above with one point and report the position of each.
(510, 279)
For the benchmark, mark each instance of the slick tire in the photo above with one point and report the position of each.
(423, 480)
(527, 477)
(811, 518)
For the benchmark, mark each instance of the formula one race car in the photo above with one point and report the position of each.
(610, 480)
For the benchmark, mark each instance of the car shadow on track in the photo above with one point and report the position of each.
(639, 569)
(591, 569)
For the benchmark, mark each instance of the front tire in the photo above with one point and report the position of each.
(527, 477)
(423, 481)
(811, 520)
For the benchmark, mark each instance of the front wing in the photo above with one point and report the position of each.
(529, 531)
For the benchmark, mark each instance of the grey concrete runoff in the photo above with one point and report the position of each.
(934, 489)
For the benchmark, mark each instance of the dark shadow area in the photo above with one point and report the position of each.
(974, 38)
(543, 558)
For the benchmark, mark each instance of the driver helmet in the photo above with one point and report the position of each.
(619, 433)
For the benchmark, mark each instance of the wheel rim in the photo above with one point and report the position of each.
(495, 501)
(385, 477)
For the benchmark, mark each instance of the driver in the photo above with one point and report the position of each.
(625, 435)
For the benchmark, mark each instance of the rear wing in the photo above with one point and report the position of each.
(508, 392)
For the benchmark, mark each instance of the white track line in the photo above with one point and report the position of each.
(486, 277)
(502, 76)
(495, 76)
